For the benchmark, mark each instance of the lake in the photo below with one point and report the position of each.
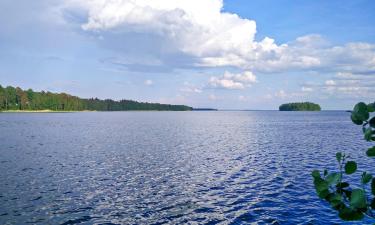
(224, 167)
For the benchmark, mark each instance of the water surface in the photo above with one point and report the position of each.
(170, 167)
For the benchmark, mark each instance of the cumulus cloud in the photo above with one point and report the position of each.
(180, 33)
(195, 33)
(314, 53)
(197, 29)
(233, 81)
(344, 85)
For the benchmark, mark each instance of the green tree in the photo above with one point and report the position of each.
(10, 98)
(300, 106)
(21, 99)
(352, 202)
(30, 98)
(17, 99)
(2, 98)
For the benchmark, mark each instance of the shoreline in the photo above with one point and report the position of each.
(223, 110)
(39, 111)
(77, 111)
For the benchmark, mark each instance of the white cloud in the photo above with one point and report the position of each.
(191, 90)
(233, 81)
(149, 82)
(345, 75)
(194, 33)
(196, 27)
(330, 83)
(291, 95)
(306, 89)
(347, 85)
(225, 83)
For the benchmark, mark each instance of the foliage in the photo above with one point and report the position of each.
(300, 106)
(17, 99)
(352, 203)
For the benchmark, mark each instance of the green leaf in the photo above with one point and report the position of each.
(333, 197)
(350, 214)
(336, 204)
(339, 156)
(372, 122)
(333, 178)
(323, 193)
(342, 185)
(358, 199)
(321, 187)
(361, 112)
(371, 152)
(373, 186)
(347, 193)
(350, 167)
(355, 120)
(371, 107)
(335, 200)
(366, 177)
(368, 134)
(315, 174)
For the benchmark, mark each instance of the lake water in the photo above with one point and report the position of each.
(170, 167)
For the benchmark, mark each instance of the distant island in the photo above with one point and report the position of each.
(300, 106)
(16, 99)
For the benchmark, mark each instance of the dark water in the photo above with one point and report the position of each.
(170, 167)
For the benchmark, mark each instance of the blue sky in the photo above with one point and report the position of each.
(339, 21)
(204, 53)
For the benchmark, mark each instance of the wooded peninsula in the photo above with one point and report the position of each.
(14, 98)
(300, 106)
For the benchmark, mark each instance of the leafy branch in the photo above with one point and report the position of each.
(352, 203)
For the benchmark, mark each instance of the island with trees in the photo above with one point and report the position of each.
(16, 99)
(300, 106)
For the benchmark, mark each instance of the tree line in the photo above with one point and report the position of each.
(14, 98)
(300, 106)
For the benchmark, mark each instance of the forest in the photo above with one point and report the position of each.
(14, 98)
(300, 106)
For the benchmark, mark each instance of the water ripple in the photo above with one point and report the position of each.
(169, 167)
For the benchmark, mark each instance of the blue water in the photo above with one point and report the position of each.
(170, 167)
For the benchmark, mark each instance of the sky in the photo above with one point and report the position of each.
(236, 54)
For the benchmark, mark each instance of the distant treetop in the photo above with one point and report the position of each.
(12, 98)
(300, 106)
